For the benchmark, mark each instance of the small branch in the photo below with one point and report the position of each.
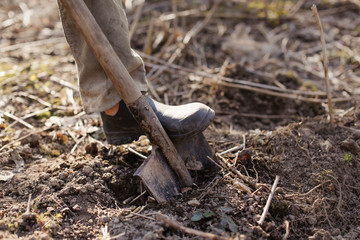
(325, 63)
(267, 206)
(28, 215)
(140, 195)
(287, 229)
(28, 116)
(233, 149)
(178, 226)
(19, 120)
(33, 45)
(199, 26)
(214, 162)
(306, 194)
(64, 83)
(142, 216)
(136, 19)
(77, 144)
(213, 184)
(213, 79)
(26, 136)
(136, 152)
(246, 179)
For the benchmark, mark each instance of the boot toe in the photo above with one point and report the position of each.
(187, 120)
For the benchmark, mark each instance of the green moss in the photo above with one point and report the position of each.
(45, 115)
(271, 10)
(357, 29)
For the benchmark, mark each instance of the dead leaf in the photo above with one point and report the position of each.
(6, 175)
(18, 160)
(194, 203)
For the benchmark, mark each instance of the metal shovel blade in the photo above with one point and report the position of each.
(195, 151)
(158, 177)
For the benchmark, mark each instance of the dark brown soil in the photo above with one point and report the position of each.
(81, 188)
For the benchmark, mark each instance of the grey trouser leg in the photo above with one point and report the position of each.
(96, 89)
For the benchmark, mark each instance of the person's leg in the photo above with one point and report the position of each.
(96, 90)
(98, 93)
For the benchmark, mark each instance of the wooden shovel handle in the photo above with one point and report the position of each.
(125, 85)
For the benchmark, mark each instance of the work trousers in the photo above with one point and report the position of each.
(96, 89)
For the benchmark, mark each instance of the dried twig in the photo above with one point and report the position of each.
(213, 161)
(266, 208)
(26, 136)
(32, 45)
(287, 229)
(139, 196)
(233, 149)
(77, 143)
(213, 79)
(248, 180)
(64, 83)
(239, 185)
(194, 31)
(178, 226)
(28, 215)
(28, 116)
(136, 152)
(306, 194)
(36, 98)
(213, 183)
(136, 19)
(296, 7)
(19, 120)
(325, 62)
(149, 36)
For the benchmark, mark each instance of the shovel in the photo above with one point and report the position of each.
(164, 172)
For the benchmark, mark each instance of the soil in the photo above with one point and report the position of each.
(59, 179)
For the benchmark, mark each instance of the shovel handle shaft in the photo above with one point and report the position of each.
(125, 85)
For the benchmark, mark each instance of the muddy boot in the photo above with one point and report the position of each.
(178, 121)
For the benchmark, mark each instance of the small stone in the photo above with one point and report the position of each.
(116, 220)
(87, 170)
(44, 236)
(327, 146)
(78, 165)
(92, 149)
(82, 190)
(68, 190)
(90, 187)
(50, 209)
(104, 219)
(312, 220)
(53, 182)
(63, 175)
(351, 145)
(29, 216)
(335, 232)
(107, 176)
(194, 203)
(251, 209)
(150, 236)
(76, 207)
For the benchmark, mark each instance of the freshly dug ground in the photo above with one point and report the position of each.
(256, 63)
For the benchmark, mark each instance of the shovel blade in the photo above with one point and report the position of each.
(158, 177)
(195, 151)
